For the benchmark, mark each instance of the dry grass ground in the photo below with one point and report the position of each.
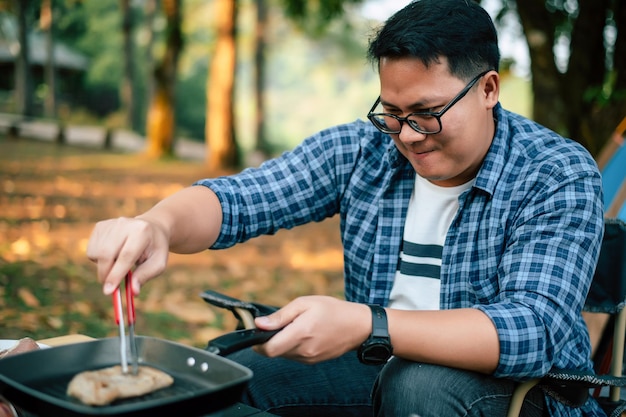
(50, 198)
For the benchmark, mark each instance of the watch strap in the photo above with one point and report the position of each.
(379, 321)
(377, 349)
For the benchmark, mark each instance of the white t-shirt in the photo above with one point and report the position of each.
(431, 210)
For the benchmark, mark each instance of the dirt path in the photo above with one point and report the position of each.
(50, 198)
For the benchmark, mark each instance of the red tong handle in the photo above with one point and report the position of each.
(130, 303)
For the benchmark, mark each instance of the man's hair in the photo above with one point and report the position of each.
(460, 30)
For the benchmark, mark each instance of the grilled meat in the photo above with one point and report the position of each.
(103, 386)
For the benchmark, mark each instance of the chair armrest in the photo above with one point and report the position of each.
(571, 387)
(244, 311)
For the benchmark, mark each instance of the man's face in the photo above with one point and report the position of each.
(454, 155)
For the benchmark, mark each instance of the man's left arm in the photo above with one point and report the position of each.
(544, 276)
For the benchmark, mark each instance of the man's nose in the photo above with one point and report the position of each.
(409, 135)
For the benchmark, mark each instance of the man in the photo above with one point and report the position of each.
(476, 229)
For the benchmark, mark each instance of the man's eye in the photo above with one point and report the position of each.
(419, 117)
(423, 113)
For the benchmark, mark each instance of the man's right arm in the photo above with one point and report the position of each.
(188, 221)
(191, 217)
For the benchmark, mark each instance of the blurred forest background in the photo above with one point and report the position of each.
(243, 80)
(257, 76)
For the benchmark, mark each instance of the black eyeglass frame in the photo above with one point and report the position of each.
(437, 115)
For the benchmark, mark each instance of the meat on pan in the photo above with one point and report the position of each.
(103, 386)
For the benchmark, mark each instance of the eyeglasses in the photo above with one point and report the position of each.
(426, 122)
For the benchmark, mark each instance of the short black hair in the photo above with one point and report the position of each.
(460, 30)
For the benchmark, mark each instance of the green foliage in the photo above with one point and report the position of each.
(169, 326)
(94, 28)
(103, 42)
(191, 103)
(316, 83)
(315, 16)
(55, 291)
(70, 21)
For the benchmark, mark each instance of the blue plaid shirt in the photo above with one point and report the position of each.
(522, 247)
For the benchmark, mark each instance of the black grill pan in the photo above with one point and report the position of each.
(204, 382)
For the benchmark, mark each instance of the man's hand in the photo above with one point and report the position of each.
(118, 245)
(315, 329)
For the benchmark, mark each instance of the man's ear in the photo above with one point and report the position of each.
(491, 89)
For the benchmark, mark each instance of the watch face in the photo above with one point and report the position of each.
(375, 354)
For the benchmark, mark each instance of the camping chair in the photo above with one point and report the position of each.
(612, 164)
(606, 295)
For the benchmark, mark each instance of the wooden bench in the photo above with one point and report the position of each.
(15, 126)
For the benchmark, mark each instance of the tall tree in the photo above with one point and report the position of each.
(127, 93)
(313, 17)
(222, 152)
(150, 10)
(587, 99)
(260, 45)
(161, 118)
(23, 78)
(46, 24)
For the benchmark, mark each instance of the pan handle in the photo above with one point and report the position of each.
(238, 340)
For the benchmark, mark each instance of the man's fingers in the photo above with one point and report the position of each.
(282, 317)
(103, 270)
(130, 252)
(146, 270)
(290, 337)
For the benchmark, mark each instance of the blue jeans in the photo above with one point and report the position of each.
(339, 387)
(413, 389)
(344, 387)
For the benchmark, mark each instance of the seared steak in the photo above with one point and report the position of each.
(103, 386)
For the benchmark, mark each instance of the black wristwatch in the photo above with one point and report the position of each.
(377, 349)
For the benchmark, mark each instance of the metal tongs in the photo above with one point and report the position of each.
(119, 320)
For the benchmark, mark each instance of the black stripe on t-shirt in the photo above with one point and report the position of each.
(422, 251)
(420, 270)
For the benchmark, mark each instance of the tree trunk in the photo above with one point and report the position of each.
(160, 126)
(619, 56)
(586, 70)
(219, 130)
(548, 106)
(46, 25)
(587, 102)
(23, 78)
(607, 113)
(150, 9)
(127, 85)
(262, 145)
(161, 119)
